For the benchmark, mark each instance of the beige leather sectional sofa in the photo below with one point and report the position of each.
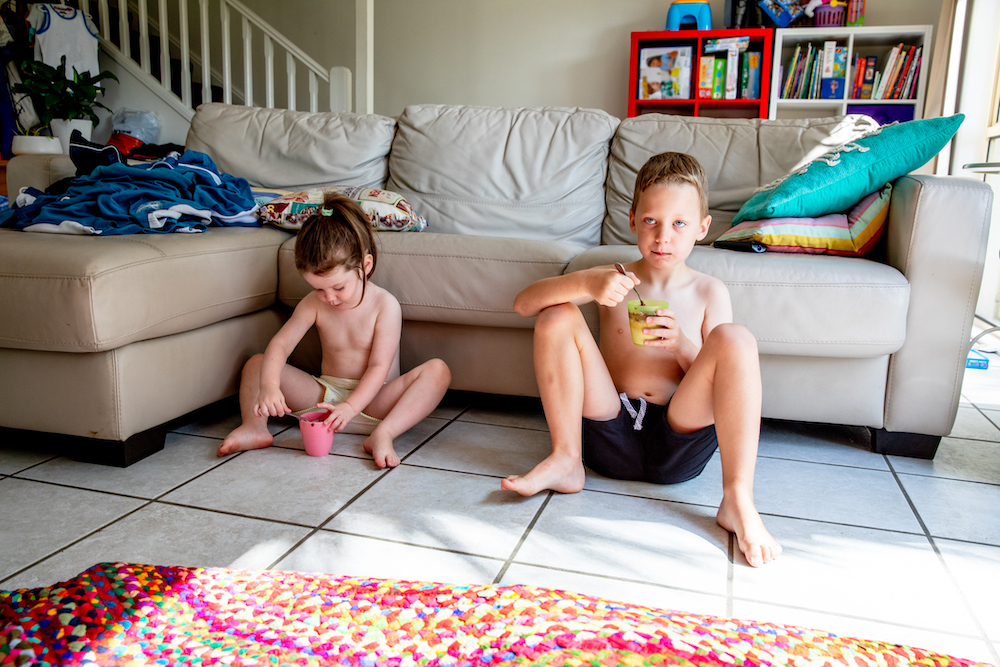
(104, 340)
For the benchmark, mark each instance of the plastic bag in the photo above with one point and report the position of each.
(131, 128)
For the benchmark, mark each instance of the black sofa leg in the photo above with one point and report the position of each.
(899, 443)
(118, 453)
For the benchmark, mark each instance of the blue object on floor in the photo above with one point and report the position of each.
(977, 360)
(688, 10)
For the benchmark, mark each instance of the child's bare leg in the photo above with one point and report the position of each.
(404, 402)
(726, 373)
(300, 390)
(573, 381)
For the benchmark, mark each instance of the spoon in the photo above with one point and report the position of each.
(621, 270)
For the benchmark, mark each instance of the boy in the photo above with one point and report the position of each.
(649, 412)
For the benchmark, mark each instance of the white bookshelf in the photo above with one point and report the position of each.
(865, 41)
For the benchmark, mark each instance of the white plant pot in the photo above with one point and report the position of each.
(21, 144)
(63, 128)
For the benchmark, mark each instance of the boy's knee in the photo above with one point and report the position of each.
(735, 337)
(558, 317)
(254, 361)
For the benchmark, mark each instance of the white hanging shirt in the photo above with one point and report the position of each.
(61, 30)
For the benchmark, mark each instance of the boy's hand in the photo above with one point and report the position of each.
(609, 288)
(341, 415)
(666, 329)
(270, 402)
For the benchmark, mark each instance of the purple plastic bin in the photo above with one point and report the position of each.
(825, 15)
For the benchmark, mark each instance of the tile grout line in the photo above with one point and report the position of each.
(944, 565)
(146, 503)
(625, 580)
(730, 573)
(404, 543)
(524, 536)
(360, 493)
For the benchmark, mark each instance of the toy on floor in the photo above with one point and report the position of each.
(697, 11)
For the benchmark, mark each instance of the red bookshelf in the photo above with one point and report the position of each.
(760, 40)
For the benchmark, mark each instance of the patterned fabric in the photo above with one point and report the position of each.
(121, 614)
(854, 233)
(387, 211)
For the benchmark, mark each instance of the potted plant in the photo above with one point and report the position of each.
(63, 103)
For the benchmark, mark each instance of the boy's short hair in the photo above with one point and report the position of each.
(672, 168)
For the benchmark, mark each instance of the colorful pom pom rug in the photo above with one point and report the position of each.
(125, 614)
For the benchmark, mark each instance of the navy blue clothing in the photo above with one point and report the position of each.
(654, 453)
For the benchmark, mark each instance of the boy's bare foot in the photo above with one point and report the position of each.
(740, 517)
(380, 447)
(245, 437)
(560, 473)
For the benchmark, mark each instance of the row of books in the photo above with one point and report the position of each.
(727, 70)
(815, 73)
(897, 80)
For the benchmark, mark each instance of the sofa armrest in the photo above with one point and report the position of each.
(936, 236)
(38, 171)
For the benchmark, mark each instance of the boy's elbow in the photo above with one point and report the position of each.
(522, 308)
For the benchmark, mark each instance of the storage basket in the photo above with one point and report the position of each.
(825, 15)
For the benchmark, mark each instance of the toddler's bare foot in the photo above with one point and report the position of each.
(380, 447)
(560, 473)
(245, 437)
(739, 516)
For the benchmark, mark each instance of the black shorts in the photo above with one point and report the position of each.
(656, 453)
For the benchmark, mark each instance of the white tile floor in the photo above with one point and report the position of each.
(889, 548)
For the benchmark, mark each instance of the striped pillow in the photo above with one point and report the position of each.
(854, 233)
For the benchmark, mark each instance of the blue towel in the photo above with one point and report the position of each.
(174, 194)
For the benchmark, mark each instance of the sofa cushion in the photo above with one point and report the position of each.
(450, 278)
(535, 174)
(278, 148)
(387, 211)
(834, 181)
(90, 293)
(738, 156)
(799, 305)
(853, 233)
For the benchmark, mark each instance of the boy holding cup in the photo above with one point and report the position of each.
(654, 408)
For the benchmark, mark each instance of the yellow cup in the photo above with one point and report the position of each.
(637, 315)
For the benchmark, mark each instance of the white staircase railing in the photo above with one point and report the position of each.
(174, 25)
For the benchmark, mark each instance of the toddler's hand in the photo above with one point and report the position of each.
(270, 402)
(341, 415)
(609, 288)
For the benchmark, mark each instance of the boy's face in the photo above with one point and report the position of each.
(667, 222)
(340, 287)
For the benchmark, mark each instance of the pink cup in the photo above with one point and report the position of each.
(316, 436)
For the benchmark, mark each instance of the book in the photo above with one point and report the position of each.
(832, 85)
(665, 73)
(869, 80)
(719, 79)
(912, 94)
(724, 44)
(732, 72)
(706, 73)
(902, 62)
(876, 82)
(751, 70)
(786, 90)
(860, 65)
(890, 65)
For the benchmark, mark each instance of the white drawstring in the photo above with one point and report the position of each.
(636, 416)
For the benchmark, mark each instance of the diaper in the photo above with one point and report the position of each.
(337, 390)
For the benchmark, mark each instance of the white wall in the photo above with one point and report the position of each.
(533, 52)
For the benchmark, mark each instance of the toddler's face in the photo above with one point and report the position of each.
(340, 288)
(667, 222)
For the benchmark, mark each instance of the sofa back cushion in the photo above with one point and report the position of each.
(738, 155)
(535, 174)
(295, 150)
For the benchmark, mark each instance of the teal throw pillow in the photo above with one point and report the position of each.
(834, 182)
